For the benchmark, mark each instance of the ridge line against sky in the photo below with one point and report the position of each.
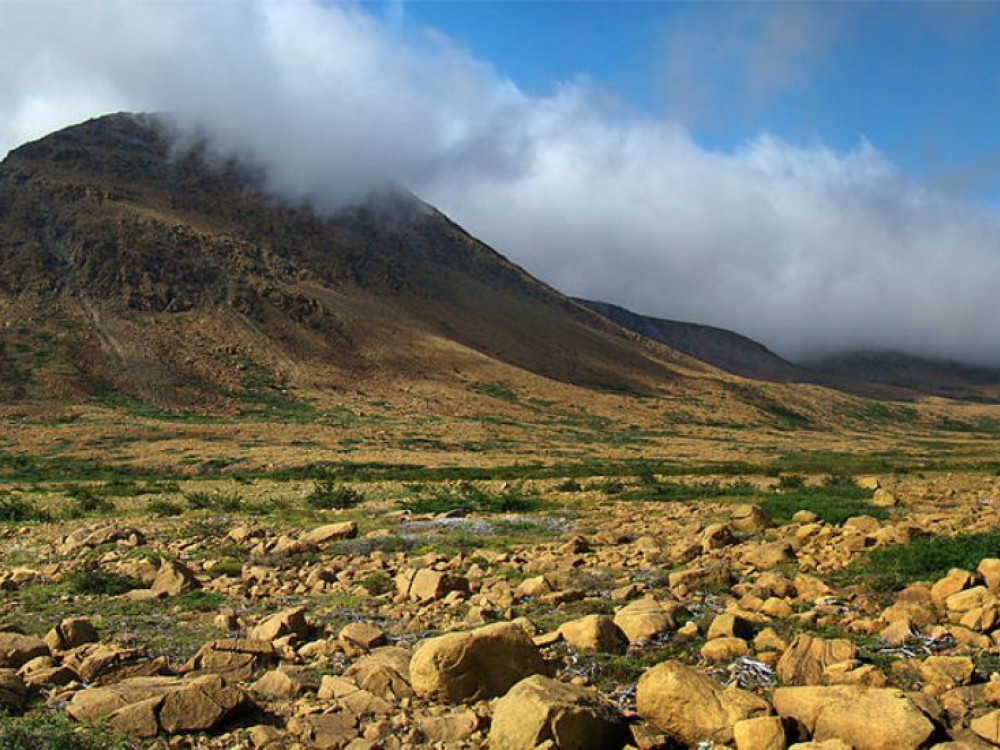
(700, 162)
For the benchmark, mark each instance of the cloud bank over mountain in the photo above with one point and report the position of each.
(808, 249)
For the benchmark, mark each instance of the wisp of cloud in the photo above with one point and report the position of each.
(810, 250)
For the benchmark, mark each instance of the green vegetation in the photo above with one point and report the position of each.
(377, 583)
(878, 413)
(927, 559)
(28, 467)
(495, 390)
(223, 502)
(473, 499)
(87, 503)
(782, 416)
(19, 510)
(164, 508)
(834, 502)
(90, 578)
(43, 731)
(201, 601)
(329, 494)
(651, 490)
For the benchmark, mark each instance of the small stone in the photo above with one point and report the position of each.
(362, 636)
(724, 649)
(644, 620)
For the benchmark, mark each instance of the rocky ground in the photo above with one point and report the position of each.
(646, 612)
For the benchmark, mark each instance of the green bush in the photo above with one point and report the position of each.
(328, 494)
(86, 503)
(201, 601)
(90, 578)
(377, 583)
(791, 481)
(924, 559)
(223, 502)
(473, 499)
(164, 508)
(18, 510)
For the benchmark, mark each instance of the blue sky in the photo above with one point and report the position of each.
(921, 82)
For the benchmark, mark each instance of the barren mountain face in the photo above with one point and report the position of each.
(134, 260)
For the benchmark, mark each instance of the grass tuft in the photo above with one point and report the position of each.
(90, 578)
(328, 494)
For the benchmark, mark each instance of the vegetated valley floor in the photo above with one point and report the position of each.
(285, 573)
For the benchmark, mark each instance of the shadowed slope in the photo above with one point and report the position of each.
(135, 262)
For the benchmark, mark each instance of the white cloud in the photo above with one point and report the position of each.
(807, 249)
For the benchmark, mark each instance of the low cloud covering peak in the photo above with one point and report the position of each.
(808, 249)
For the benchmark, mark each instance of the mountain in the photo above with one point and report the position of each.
(134, 266)
(718, 347)
(880, 375)
(936, 377)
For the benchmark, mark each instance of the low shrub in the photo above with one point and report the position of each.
(19, 510)
(164, 508)
(90, 578)
(473, 499)
(329, 494)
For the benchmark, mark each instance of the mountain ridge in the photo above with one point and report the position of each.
(156, 254)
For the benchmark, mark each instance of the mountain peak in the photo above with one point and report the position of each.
(147, 253)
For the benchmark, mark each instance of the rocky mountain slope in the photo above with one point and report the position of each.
(936, 377)
(132, 264)
(719, 347)
(882, 374)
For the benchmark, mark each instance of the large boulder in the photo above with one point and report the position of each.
(805, 660)
(201, 705)
(691, 707)
(475, 665)
(645, 619)
(235, 659)
(595, 633)
(331, 532)
(174, 579)
(538, 710)
(70, 633)
(288, 622)
(103, 664)
(96, 703)
(16, 649)
(865, 717)
(427, 585)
